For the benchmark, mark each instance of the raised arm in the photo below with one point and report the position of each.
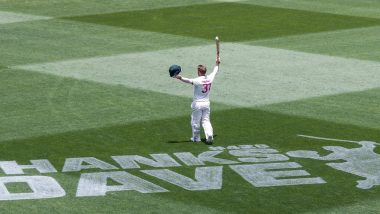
(216, 68)
(184, 79)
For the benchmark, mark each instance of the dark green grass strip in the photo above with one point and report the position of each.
(238, 126)
(232, 21)
(25, 42)
(362, 108)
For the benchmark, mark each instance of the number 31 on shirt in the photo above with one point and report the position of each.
(206, 88)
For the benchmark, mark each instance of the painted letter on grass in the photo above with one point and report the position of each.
(263, 175)
(206, 178)
(40, 186)
(95, 184)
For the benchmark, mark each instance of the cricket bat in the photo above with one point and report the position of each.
(217, 46)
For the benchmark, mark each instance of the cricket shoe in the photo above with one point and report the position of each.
(195, 140)
(209, 140)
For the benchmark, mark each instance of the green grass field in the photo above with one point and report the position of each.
(88, 81)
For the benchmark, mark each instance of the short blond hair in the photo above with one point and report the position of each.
(202, 69)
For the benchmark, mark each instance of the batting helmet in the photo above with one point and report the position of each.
(174, 70)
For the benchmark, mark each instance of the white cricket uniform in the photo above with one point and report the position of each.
(201, 104)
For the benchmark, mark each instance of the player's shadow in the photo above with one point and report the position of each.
(203, 140)
(178, 141)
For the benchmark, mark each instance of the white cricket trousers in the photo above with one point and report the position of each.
(201, 113)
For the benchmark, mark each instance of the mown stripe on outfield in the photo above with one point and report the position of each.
(23, 43)
(367, 8)
(249, 75)
(10, 17)
(357, 108)
(38, 104)
(360, 43)
(59, 8)
(232, 21)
